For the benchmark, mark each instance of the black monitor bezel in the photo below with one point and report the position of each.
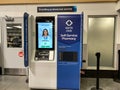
(45, 19)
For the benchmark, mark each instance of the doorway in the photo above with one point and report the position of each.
(101, 38)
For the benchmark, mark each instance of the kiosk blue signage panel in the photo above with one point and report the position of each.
(26, 15)
(69, 51)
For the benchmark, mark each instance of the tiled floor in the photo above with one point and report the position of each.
(18, 83)
(105, 84)
(13, 83)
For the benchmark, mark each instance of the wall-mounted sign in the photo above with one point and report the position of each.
(57, 9)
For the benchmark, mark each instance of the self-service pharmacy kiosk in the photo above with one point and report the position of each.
(55, 58)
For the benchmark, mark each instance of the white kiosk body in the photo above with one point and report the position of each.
(42, 59)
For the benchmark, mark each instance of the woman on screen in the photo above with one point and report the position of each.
(45, 33)
(46, 40)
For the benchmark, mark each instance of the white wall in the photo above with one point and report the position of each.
(87, 8)
(118, 21)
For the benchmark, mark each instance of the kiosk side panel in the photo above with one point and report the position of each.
(69, 51)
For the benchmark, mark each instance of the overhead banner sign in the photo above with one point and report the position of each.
(57, 9)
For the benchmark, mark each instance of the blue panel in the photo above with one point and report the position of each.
(69, 51)
(26, 39)
(68, 76)
(81, 40)
(69, 29)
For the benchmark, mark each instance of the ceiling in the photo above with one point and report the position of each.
(52, 1)
(97, 1)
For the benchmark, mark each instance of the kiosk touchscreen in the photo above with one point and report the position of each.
(44, 38)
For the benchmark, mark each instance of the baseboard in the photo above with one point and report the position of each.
(14, 71)
(102, 73)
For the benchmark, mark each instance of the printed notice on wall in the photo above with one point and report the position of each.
(57, 9)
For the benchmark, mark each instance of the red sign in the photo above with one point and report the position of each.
(21, 54)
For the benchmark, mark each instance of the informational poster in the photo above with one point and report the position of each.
(69, 32)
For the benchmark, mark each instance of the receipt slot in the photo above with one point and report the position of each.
(42, 65)
(69, 51)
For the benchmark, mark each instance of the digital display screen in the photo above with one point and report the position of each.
(44, 33)
(69, 56)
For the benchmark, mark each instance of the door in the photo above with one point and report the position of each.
(12, 46)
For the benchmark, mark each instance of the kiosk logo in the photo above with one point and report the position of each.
(69, 22)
